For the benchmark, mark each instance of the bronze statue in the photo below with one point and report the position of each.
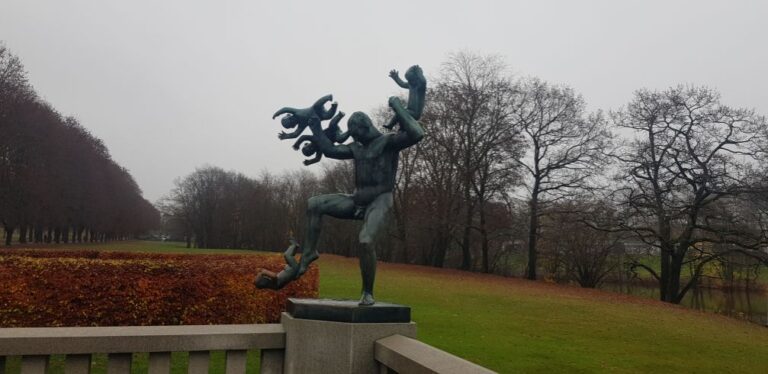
(268, 279)
(375, 158)
(334, 134)
(417, 91)
(299, 118)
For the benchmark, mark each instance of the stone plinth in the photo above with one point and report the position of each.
(332, 336)
(348, 311)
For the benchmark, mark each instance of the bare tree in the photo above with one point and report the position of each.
(472, 103)
(576, 240)
(565, 148)
(690, 155)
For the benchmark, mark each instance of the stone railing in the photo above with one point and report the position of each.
(36, 344)
(401, 354)
(296, 345)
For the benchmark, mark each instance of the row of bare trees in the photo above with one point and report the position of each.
(214, 208)
(516, 176)
(58, 182)
(499, 154)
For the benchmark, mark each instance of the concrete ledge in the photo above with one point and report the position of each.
(86, 340)
(406, 355)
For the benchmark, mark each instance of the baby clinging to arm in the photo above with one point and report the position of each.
(417, 92)
(268, 279)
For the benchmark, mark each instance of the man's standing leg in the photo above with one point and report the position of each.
(373, 224)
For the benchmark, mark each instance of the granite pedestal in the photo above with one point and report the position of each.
(335, 336)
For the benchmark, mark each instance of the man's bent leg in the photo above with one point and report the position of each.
(335, 205)
(375, 218)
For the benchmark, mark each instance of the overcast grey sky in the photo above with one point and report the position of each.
(172, 85)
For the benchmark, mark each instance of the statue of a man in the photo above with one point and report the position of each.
(375, 157)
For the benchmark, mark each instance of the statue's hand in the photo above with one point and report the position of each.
(341, 114)
(283, 135)
(393, 74)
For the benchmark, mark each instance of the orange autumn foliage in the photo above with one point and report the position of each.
(90, 288)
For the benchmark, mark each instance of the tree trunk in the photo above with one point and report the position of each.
(664, 278)
(466, 252)
(23, 234)
(38, 234)
(669, 279)
(8, 234)
(532, 236)
(442, 248)
(673, 286)
(484, 233)
(403, 232)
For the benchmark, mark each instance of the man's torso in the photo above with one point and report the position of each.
(375, 169)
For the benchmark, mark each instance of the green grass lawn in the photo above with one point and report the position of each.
(513, 325)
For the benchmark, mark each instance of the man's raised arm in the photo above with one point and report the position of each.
(324, 145)
(412, 132)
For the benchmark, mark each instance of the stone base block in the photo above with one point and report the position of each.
(315, 346)
(348, 311)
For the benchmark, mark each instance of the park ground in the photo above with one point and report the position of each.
(515, 325)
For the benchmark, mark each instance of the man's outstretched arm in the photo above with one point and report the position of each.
(324, 145)
(411, 130)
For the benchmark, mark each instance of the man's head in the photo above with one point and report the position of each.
(361, 128)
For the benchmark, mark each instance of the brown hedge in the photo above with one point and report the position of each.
(92, 288)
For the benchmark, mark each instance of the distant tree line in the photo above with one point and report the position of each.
(58, 182)
(516, 176)
(214, 208)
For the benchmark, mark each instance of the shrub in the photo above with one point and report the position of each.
(92, 288)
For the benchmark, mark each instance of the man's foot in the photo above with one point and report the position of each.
(306, 259)
(366, 299)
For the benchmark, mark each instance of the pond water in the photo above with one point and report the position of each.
(751, 305)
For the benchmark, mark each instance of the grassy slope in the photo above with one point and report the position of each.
(514, 325)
